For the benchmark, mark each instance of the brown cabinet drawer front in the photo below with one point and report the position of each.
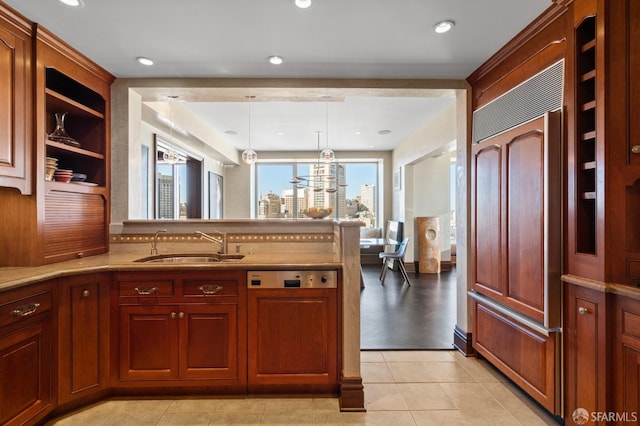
(631, 324)
(141, 288)
(24, 308)
(210, 288)
(25, 379)
(525, 356)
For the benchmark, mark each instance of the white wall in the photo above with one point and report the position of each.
(432, 197)
(411, 160)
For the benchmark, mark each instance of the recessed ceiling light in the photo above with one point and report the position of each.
(72, 3)
(275, 60)
(443, 26)
(144, 61)
(279, 133)
(358, 132)
(303, 4)
(384, 132)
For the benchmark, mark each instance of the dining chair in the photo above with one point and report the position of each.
(398, 256)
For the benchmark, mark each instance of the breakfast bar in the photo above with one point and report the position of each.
(215, 321)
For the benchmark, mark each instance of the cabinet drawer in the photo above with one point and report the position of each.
(210, 288)
(631, 324)
(141, 288)
(17, 310)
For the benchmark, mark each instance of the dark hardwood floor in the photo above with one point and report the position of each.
(398, 316)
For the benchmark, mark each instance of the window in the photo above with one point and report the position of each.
(350, 189)
(178, 185)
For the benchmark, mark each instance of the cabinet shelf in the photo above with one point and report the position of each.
(588, 106)
(73, 149)
(64, 104)
(587, 136)
(591, 44)
(590, 75)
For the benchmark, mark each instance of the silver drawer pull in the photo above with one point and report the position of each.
(582, 310)
(146, 290)
(23, 311)
(210, 288)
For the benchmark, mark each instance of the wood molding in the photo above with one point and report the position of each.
(62, 48)
(462, 342)
(351, 394)
(522, 38)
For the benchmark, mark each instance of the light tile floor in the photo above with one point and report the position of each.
(401, 388)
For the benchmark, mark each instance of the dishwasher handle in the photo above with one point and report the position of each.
(291, 283)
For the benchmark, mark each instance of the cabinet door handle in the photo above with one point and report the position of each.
(146, 290)
(210, 288)
(635, 149)
(173, 315)
(582, 310)
(25, 310)
(181, 315)
(85, 293)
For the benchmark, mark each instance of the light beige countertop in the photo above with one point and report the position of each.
(13, 277)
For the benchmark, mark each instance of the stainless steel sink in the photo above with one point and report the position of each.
(190, 258)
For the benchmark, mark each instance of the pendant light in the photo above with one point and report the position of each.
(169, 156)
(327, 154)
(249, 156)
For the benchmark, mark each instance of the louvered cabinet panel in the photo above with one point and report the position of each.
(75, 225)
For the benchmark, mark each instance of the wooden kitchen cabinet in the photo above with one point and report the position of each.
(15, 101)
(186, 326)
(603, 200)
(76, 216)
(61, 221)
(585, 334)
(292, 338)
(26, 394)
(83, 331)
(626, 356)
(603, 149)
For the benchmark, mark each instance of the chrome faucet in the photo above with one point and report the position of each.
(219, 239)
(154, 243)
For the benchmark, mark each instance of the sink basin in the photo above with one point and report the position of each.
(190, 258)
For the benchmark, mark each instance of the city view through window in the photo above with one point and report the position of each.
(348, 190)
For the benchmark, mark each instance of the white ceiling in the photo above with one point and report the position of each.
(359, 39)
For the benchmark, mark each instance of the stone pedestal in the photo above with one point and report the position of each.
(428, 245)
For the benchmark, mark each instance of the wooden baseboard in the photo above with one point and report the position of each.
(462, 342)
(352, 394)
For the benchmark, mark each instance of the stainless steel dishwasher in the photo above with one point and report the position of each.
(293, 328)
